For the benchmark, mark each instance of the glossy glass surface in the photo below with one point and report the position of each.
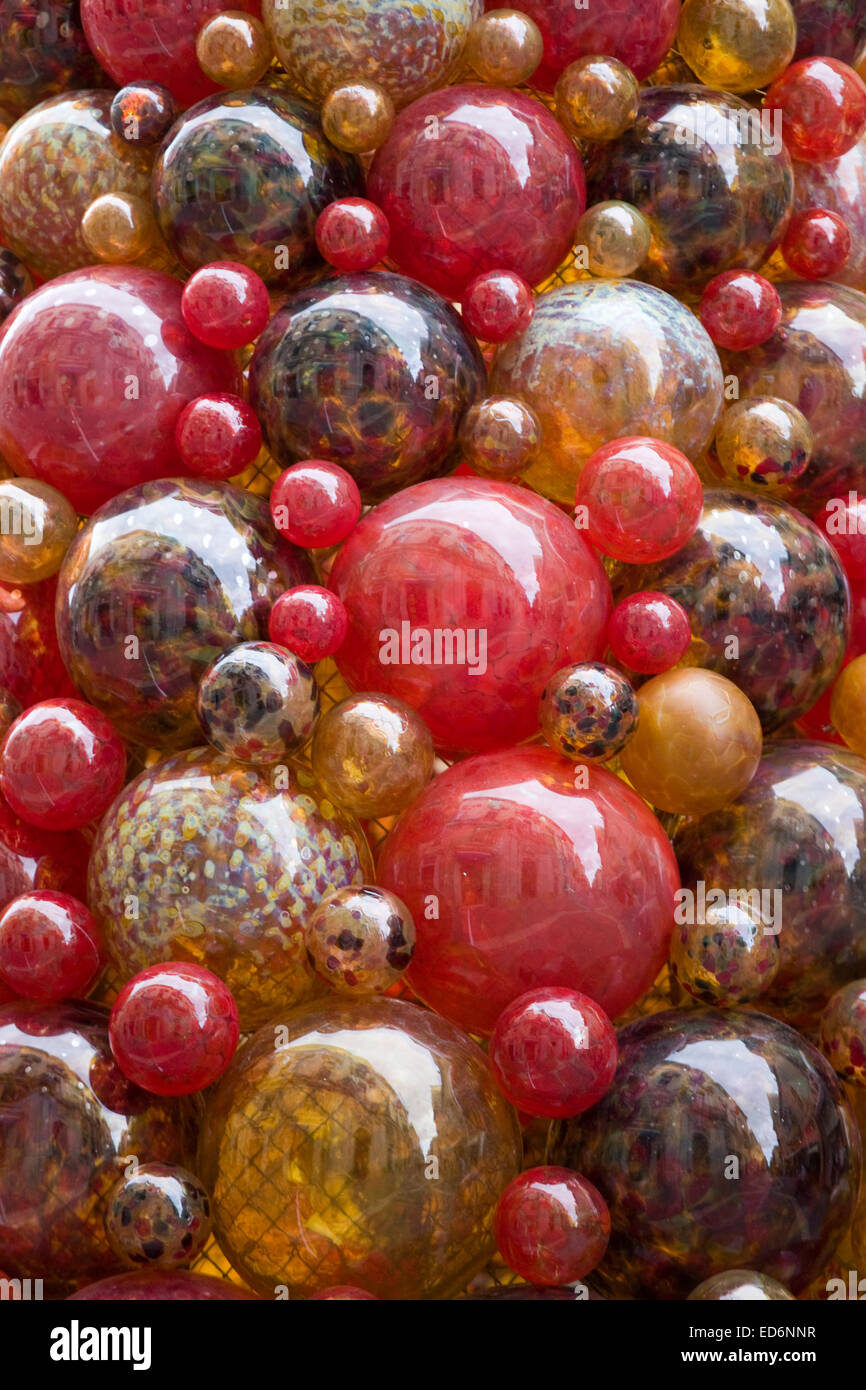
(50, 948)
(817, 244)
(360, 940)
(839, 185)
(225, 305)
(596, 98)
(498, 437)
(42, 51)
(178, 1286)
(174, 1028)
(315, 503)
(352, 234)
(299, 1197)
(615, 237)
(588, 711)
(357, 116)
(729, 957)
(740, 1286)
(649, 632)
(740, 309)
(233, 49)
(218, 436)
(258, 703)
(373, 755)
(552, 1226)
(38, 526)
(497, 306)
(504, 48)
(158, 1216)
(42, 859)
(553, 1052)
(843, 1032)
(638, 32)
(738, 46)
(29, 655)
(61, 764)
(823, 107)
(642, 499)
(142, 113)
(309, 621)
(762, 444)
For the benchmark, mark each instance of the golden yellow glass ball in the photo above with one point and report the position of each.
(357, 117)
(737, 45)
(596, 98)
(504, 47)
(37, 525)
(612, 240)
(234, 49)
(848, 705)
(118, 228)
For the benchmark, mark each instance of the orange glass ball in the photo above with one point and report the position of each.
(118, 228)
(36, 528)
(504, 47)
(596, 98)
(357, 117)
(848, 705)
(234, 49)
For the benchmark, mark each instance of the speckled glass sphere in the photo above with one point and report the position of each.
(504, 47)
(233, 49)
(264, 155)
(224, 863)
(407, 49)
(155, 587)
(585, 337)
(596, 98)
(257, 703)
(691, 1090)
(740, 1286)
(42, 51)
(737, 45)
(843, 1032)
(715, 191)
(158, 1215)
(373, 755)
(142, 113)
(616, 238)
(588, 712)
(729, 956)
(757, 570)
(763, 444)
(360, 940)
(297, 1201)
(498, 437)
(36, 527)
(70, 1119)
(40, 218)
(15, 282)
(118, 228)
(358, 116)
(343, 372)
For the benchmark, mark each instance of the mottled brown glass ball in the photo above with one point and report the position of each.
(763, 443)
(360, 940)
(498, 437)
(234, 49)
(616, 237)
(118, 228)
(848, 705)
(726, 954)
(504, 47)
(596, 98)
(697, 743)
(372, 754)
(357, 117)
(36, 528)
(737, 45)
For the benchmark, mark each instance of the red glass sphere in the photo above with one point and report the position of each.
(174, 1028)
(30, 661)
(552, 1226)
(822, 102)
(39, 859)
(843, 521)
(816, 244)
(225, 305)
(352, 234)
(315, 504)
(541, 873)
(218, 436)
(740, 309)
(649, 632)
(309, 621)
(61, 764)
(553, 1052)
(50, 947)
(497, 306)
(639, 498)
(342, 1293)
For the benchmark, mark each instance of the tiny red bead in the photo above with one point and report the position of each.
(218, 436)
(342, 1293)
(649, 633)
(497, 306)
(315, 504)
(50, 947)
(642, 499)
(552, 1226)
(61, 764)
(553, 1052)
(822, 102)
(740, 309)
(352, 234)
(174, 1028)
(817, 244)
(226, 305)
(309, 621)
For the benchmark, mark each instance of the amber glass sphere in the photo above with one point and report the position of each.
(617, 239)
(372, 755)
(697, 744)
(504, 47)
(234, 49)
(848, 705)
(763, 443)
(596, 98)
(498, 437)
(36, 527)
(118, 228)
(357, 116)
(737, 45)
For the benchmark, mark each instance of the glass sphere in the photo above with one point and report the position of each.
(118, 228)
(360, 352)
(503, 591)
(553, 1052)
(208, 860)
(342, 1293)
(616, 238)
(715, 191)
(43, 51)
(352, 234)
(39, 526)
(218, 436)
(843, 521)
(263, 154)
(158, 1215)
(315, 504)
(360, 940)
(740, 309)
(50, 948)
(843, 1032)
(538, 878)
(730, 955)
(763, 444)
(407, 49)
(659, 372)
(649, 632)
(336, 1208)
(498, 437)
(848, 705)
(31, 859)
(143, 113)
(817, 244)
(29, 654)
(588, 712)
(373, 755)
(357, 116)
(691, 1090)
(174, 1029)
(758, 571)
(504, 48)
(225, 305)
(740, 1286)
(233, 49)
(109, 346)
(61, 764)
(641, 499)
(738, 46)
(497, 306)
(552, 1226)
(71, 1119)
(310, 621)
(823, 108)
(258, 703)
(15, 281)
(838, 186)
(637, 32)
(596, 98)
(157, 584)
(500, 188)
(163, 1286)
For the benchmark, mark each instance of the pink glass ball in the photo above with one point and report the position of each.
(497, 306)
(552, 1226)
(315, 504)
(174, 1028)
(50, 947)
(740, 309)
(61, 764)
(309, 621)
(553, 1052)
(225, 305)
(639, 498)
(649, 632)
(823, 108)
(218, 437)
(816, 244)
(352, 234)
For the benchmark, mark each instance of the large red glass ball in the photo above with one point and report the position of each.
(823, 108)
(107, 349)
(497, 306)
(315, 504)
(225, 305)
(552, 1226)
(637, 32)
(523, 871)
(174, 1028)
(218, 436)
(553, 1052)
(476, 178)
(464, 595)
(817, 244)
(39, 859)
(50, 947)
(649, 632)
(642, 499)
(309, 621)
(352, 234)
(740, 309)
(61, 764)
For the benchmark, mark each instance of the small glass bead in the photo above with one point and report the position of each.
(553, 1052)
(16, 281)
(142, 113)
(352, 234)
(50, 947)
(497, 306)
(597, 98)
(234, 49)
(498, 437)
(315, 504)
(737, 46)
(174, 1028)
(309, 621)
(37, 525)
(225, 305)
(552, 1226)
(373, 755)
(730, 957)
(816, 244)
(823, 108)
(848, 705)
(588, 712)
(158, 1216)
(360, 940)
(843, 1032)
(638, 499)
(649, 632)
(218, 436)
(616, 238)
(764, 443)
(61, 765)
(357, 117)
(504, 47)
(118, 228)
(258, 703)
